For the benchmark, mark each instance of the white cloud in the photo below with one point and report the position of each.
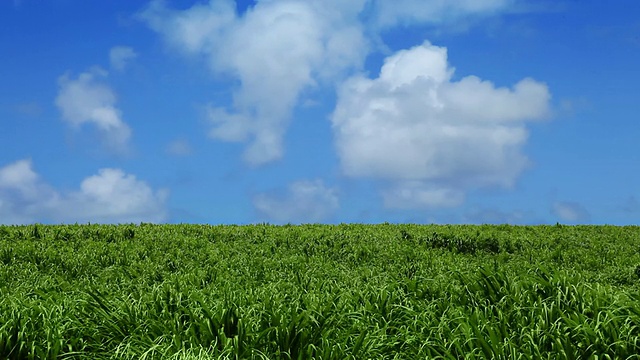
(409, 12)
(20, 192)
(111, 196)
(570, 211)
(87, 100)
(277, 49)
(120, 56)
(414, 125)
(19, 177)
(179, 147)
(305, 201)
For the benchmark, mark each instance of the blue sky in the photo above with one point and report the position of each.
(423, 111)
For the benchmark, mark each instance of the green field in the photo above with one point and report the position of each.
(319, 291)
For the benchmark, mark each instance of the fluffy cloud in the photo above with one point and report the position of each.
(305, 201)
(277, 49)
(86, 100)
(571, 212)
(120, 56)
(20, 177)
(434, 137)
(111, 196)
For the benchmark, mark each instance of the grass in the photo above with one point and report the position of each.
(319, 291)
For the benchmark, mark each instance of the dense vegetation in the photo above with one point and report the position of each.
(319, 291)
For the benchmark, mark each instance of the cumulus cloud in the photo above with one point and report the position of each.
(277, 49)
(111, 196)
(120, 56)
(87, 100)
(305, 201)
(433, 136)
(570, 212)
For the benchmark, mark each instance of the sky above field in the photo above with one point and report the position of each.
(305, 111)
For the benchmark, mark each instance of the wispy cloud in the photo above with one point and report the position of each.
(304, 201)
(410, 12)
(179, 147)
(570, 211)
(120, 56)
(416, 194)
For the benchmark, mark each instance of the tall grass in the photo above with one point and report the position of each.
(323, 292)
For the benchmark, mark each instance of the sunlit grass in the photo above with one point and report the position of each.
(316, 291)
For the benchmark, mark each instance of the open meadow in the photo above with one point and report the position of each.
(344, 291)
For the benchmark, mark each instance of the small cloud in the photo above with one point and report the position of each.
(20, 178)
(110, 196)
(120, 56)
(304, 201)
(571, 107)
(114, 196)
(410, 12)
(88, 100)
(572, 212)
(179, 147)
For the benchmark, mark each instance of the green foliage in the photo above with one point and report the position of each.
(318, 291)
